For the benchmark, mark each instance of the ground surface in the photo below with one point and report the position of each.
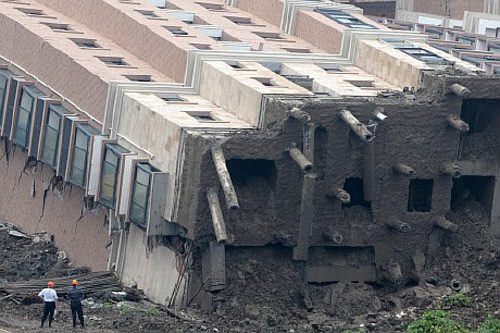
(264, 298)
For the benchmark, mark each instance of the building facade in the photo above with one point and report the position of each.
(161, 142)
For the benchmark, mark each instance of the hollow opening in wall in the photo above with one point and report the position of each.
(420, 195)
(354, 186)
(244, 172)
(481, 114)
(479, 188)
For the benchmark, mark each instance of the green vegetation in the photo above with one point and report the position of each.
(457, 301)
(491, 325)
(436, 321)
(152, 312)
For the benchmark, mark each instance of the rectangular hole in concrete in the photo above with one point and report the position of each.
(247, 172)
(480, 113)
(480, 188)
(420, 195)
(354, 186)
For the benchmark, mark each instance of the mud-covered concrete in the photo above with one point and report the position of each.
(347, 242)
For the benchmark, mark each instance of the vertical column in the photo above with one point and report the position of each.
(495, 210)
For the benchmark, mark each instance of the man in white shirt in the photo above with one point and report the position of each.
(49, 296)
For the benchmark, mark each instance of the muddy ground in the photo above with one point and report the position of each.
(263, 298)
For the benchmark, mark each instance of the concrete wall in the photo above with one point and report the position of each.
(269, 10)
(153, 270)
(450, 8)
(83, 238)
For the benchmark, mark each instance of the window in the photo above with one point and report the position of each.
(466, 40)
(3, 91)
(80, 157)
(58, 27)
(269, 35)
(139, 78)
(177, 31)
(265, 81)
(202, 116)
(147, 13)
(172, 98)
(26, 103)
(109, 174)
(344, 18)
(202, 46)
(140, 193)
(240, 20)
(31, 11)
(113, 61)
(85, 43)
(423, 55)
(51, 139)
(420, 196)
(212, 6)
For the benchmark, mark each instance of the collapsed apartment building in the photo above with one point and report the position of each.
(160, 142)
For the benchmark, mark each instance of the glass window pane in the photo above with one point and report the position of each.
(138, 214)
(3, 88)
(142, 177)
(50, 146)
(22, 127)
(81, 139)
(80, 158)
(78, 176)
(140, 195)
(54, 120)
(26, 101)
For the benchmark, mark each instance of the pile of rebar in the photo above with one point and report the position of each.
(92, 284)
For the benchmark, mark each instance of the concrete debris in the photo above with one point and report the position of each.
(18, 234)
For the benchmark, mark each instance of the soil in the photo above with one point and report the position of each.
(263, 298)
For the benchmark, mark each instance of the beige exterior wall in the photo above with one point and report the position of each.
(83, 238)
(449, 8)
(319, 31)
(269, 10)
(145, 38)
(237, 91)
(153, 271)
(59, 60)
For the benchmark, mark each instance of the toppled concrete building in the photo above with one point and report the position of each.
(156, 142)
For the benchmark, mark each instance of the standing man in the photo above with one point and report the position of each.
(76, 297)
(49, 296)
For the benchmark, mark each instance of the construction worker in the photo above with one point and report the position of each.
(76, 297)
(49, 296)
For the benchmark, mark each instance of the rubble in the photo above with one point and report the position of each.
(260, 297)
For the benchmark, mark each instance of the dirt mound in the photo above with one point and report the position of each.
(30, 257)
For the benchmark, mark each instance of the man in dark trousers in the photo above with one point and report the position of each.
(76, 297)
(49, 297)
